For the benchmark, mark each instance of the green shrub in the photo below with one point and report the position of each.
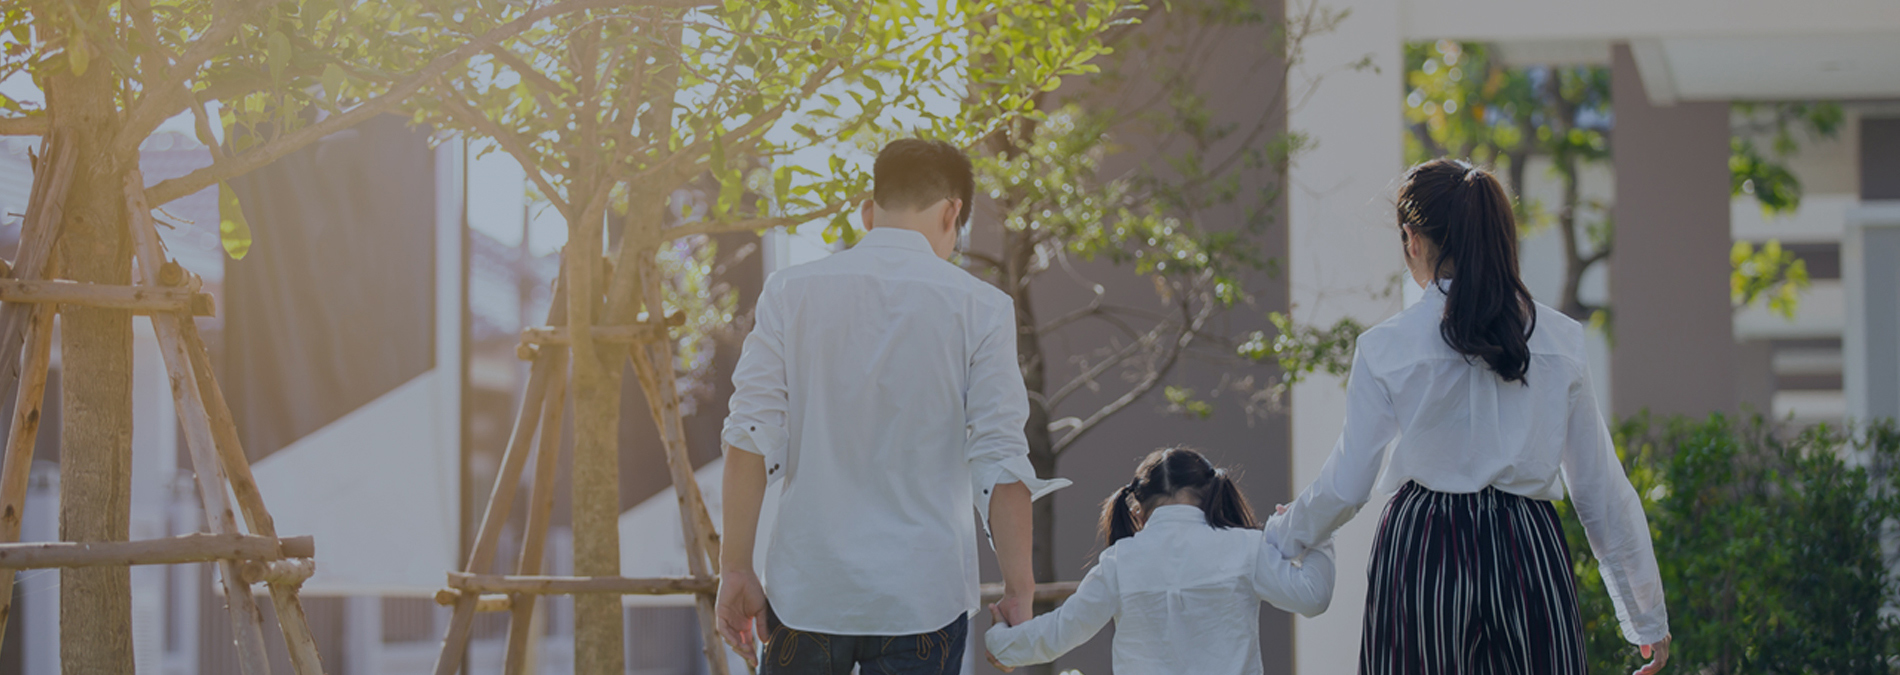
(1772, 544)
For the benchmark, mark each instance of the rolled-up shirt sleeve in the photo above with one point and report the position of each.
(1346, 479)
(1613, 520)
(756, 416)
(1044, 638)
(996, 406)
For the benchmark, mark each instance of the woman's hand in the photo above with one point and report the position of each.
(1658, 654)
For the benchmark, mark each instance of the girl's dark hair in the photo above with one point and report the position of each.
(1464, 211)
(1167, 472)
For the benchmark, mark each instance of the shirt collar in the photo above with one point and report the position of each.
(893, 237)
(1176, 513)
(1438, 287)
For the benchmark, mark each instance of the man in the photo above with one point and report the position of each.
(881, 385)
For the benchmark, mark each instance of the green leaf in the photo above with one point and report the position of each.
(277, 55)
(333, 79)
(233, 230)
(78, 55)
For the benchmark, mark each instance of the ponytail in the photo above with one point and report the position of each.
(1225, 506)
(1465, 212)
(1118, 522)
(1165, 473)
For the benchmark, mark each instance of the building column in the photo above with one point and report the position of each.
(1674, 348)
(1871, 278)
(1343, 260)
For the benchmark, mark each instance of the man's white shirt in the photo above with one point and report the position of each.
(881, 386)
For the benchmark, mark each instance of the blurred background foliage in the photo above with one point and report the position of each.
(1775, 546)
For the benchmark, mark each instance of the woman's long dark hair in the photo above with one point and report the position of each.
(1464, 211)
(1165, 473)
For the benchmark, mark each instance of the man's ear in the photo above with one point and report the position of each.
(952, 207)
(865, 211)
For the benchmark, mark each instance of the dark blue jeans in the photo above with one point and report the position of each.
(789, 651)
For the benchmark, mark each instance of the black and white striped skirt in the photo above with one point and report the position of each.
(1470, 583)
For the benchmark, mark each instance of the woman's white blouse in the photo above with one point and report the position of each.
(1461, 428)
(1185, 598)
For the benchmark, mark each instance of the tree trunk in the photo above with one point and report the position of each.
(1574, 263)
(95, 453)
(1018, 248)
(599, 645)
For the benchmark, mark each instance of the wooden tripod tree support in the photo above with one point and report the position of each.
(541, 410)
(170, 296)
(475, 589)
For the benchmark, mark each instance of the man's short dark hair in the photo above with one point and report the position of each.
(913, 173)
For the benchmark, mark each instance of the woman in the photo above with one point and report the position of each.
(1488, 395)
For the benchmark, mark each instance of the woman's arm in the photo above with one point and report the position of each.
(1613, 519)
(1345, 481)
(1044, 638)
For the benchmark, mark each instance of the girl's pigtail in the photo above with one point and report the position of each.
(1225, 505)
(1117, 521)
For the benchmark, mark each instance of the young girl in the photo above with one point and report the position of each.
(1488, 395)
(1183, 576)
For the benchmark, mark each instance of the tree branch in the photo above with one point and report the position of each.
(710, 227)
(166, 94)
(509, 142)
(257, 157)
(1087, 376)
(1147, 382)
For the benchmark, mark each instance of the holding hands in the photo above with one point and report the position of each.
(1013, 609)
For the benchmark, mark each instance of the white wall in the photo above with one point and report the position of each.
(1566, 19)
(1541, 256)
(1342, 261)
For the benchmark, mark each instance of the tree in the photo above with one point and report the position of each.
(112, 73)
(613, 112)
(1464, 101)
(1192, 218)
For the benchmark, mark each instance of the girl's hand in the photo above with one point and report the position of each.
(1279, 509)
(1658, 654)
(996, 616)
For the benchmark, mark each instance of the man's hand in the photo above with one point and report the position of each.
(740, 610)
(996, 616)
(1658, 655)
(1014, 608)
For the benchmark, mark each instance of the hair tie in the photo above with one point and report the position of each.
(1133, 485)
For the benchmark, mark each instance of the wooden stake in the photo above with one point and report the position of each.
(139, 299)
(291, 620)
(557, 335)
(45, 209)
(187, 548)
(246, 622)
(653, 362)
(471, 584)
(540, 507)
(21, 437)
(501, 498)
(46, 204)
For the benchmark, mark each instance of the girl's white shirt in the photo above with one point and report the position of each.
(1460, 428)
(1184, 595)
